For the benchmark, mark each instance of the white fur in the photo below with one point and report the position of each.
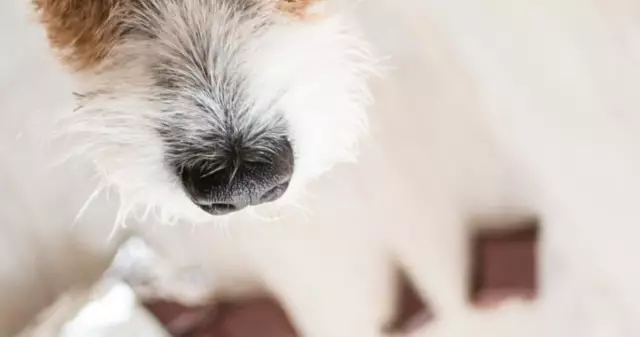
(309, 74)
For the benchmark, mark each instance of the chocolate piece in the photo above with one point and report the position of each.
(180, 321)
(504, 266)
(411, 312)
(258, 317)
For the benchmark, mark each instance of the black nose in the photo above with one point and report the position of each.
(237, 179)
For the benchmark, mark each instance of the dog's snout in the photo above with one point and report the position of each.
(239, 179)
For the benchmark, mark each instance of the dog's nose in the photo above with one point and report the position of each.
(239, 179)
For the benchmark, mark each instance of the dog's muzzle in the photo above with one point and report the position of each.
(244, 179)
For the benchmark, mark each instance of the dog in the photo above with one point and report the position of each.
(198, 109)
(202, 111)
(547, 126)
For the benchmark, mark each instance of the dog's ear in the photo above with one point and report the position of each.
(83, 31)
(302, 9)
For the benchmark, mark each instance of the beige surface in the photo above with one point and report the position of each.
(486, 107)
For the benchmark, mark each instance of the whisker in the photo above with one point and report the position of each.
(92, 197)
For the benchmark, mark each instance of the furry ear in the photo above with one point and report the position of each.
(302, 9)
(83, 31)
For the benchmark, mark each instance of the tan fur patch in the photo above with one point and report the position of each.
(300, 9)
(83, 31)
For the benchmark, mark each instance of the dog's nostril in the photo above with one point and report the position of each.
(274, 193)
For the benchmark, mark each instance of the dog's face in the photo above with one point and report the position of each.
(198, 107)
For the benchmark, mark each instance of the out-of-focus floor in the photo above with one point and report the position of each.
(469, 88)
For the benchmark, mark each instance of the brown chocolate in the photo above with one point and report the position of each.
(180, 321)
(504, 266)
(411, 312)
(257, 317)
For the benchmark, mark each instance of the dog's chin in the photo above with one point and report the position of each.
(172, 206)
(172, 211)
(192, 215)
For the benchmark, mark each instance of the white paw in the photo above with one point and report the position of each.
(153, 277)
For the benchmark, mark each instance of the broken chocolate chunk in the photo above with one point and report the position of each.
(411, 312)
(504, 266)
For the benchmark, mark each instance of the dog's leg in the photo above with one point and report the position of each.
(327, 270)
(154, 277)
(438, 267)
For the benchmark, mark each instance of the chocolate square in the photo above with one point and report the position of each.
(504, 266)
